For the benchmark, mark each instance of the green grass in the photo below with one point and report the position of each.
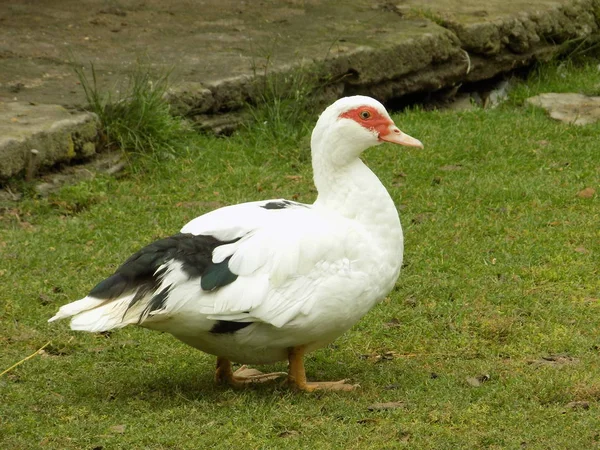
(501, 277)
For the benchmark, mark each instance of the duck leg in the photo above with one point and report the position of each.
(297, 375)
(242, 376)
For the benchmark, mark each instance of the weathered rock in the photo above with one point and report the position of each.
(501, 36)
(221, 54)
(497, 95)
(420, 57)
(219, 124)
(110, 163)
(576, 109)
(190, 98)
(53, 132)
(367, 46)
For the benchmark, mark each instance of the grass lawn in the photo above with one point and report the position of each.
(491, 338)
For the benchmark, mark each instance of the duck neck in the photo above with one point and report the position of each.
(354, 191)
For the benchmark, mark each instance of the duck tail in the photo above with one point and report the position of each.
(95, 315)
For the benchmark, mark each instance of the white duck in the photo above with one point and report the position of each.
(266, 281)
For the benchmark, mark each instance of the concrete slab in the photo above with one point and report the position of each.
(218, 50)
(32, 136)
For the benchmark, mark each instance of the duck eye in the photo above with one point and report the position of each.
(365, 115)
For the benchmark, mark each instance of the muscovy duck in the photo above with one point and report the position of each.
(270, 280)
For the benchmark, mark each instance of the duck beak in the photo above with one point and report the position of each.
(395, 136)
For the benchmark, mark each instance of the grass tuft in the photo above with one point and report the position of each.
(138, 120)
(285, 106)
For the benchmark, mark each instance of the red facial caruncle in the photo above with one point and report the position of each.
(373, 120)
(370, 118)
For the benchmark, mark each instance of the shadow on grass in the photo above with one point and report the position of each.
(160, 388)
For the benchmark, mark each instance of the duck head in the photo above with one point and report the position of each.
(350, 126)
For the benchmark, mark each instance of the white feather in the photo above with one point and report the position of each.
(108, 316)
(70, 309)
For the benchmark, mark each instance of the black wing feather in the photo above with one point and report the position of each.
(141, 274)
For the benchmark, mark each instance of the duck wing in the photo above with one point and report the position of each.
(266, 261)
